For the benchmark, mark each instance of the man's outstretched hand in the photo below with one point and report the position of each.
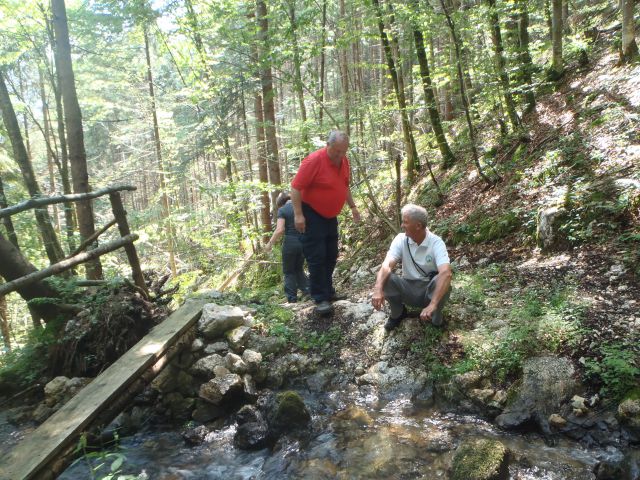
(427, 312)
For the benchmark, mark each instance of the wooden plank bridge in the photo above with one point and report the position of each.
(37, 454)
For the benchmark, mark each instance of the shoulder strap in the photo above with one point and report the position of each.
(414, 261)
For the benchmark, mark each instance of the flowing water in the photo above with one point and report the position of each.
(354, 435)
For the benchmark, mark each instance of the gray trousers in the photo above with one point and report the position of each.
(415, 293)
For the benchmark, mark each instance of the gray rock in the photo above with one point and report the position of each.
(217, 347)
(205, 366)
(178, 406)
(238, 337)
(549, 237)
(265, 345)
(235, 364)
(252, 432)
(319, 381)
(206, 412)
(287, 412)
(220, 389)
(547, 382)
(59, 390)
(221, 371)
(252, 359)
(197, 345)
(629, 413)
(250, 390)
(217, 319)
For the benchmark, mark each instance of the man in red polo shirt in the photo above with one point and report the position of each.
(318, 193)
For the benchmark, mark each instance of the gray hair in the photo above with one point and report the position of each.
(337, 136)
(415, 213)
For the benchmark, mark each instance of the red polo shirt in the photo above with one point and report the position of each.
(322, 185)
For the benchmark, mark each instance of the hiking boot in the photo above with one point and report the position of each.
(324, 308)
(394, 322)
(292, 299)
(335, 297)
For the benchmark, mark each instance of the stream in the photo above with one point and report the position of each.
(353, 435)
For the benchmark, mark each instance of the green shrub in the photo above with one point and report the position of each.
(617, 370)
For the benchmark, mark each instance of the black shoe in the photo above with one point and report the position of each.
(324, 308)
(335, 297)
(394, 322)
(292, 300)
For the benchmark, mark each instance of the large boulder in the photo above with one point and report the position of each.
(235, 364)
(287, 412)
(547, 382)
(221, 389)
(265, 345)
(483, 459)
(218, 319)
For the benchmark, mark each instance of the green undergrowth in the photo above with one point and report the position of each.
(500, 324)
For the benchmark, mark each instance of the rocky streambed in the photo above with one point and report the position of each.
(238, 403)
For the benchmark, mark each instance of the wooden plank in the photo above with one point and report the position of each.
(63, 428)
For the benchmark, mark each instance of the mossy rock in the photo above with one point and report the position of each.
(481, 460)
(289, 412)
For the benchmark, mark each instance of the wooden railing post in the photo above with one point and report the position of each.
(121, 218)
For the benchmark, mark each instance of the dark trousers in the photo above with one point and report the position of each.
(320, 247)
(293, 267)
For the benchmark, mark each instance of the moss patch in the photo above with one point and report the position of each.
(480, 460)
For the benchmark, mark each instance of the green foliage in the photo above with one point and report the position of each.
(482, 226)
(618, 369)
(102, 464)
(313, 340)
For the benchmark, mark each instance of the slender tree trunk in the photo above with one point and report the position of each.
(73, 121)
(629, 47)
(344, 74)
(448, 159)
(500, 62)
(465, 104)
(557, 67)
(63, 164)
(166, 208)
(410, 146)
(5, 328)
(297, 68)
(47, 138)
(526, 64)
(565, 16)
(6, 221)
(268, 108)
(323, 56)
(265, 211)
(47, 233)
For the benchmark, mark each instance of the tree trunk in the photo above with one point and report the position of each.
(409, 142)
(500, 62)
(166, 209)
(63, 164)
(565, 16)
(47, 233)
(524, 55)
(448, 159)
(47, 139)
(268, 108)
(73, 121)
(6, 221)
(465, 104)
(629, 47)
(297, 68)
(344, 74)
(14, 265)
(265, 210)
(557, 68)
(323, 56)
(5, 328)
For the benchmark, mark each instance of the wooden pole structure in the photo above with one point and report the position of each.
(120, 215)
(66, 264)
(42, 201)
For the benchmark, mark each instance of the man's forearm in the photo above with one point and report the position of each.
(381, 278)
(296, 201)
(443, 282)
(350, 201)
